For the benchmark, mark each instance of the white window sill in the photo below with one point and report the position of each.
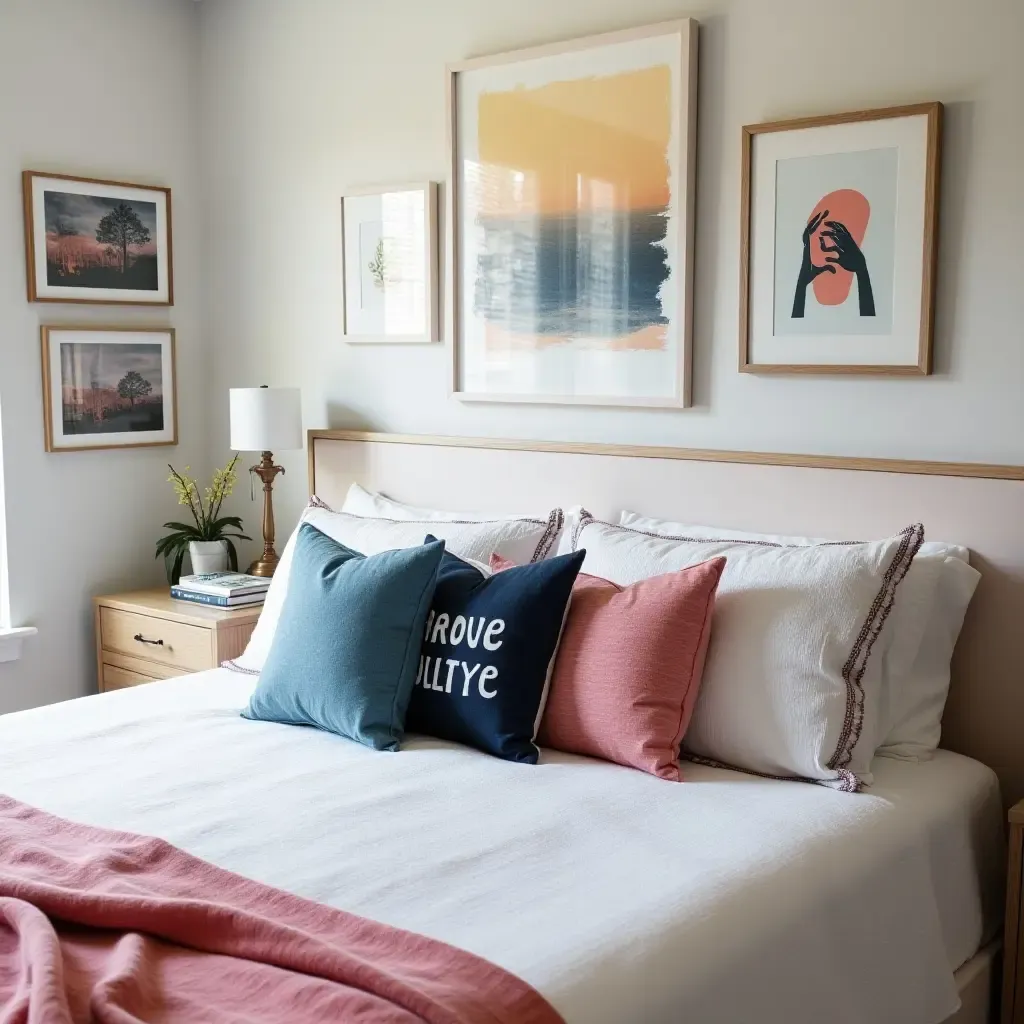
(11, 641)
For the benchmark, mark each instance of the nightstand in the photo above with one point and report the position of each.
(1013, 940)
(147, 635)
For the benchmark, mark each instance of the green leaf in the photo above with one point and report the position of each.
(225, 521)
(172, 542)
(176, 571)
(192, 531)
(172, 565)
(232, 555)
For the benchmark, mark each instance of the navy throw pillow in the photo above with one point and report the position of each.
(488, 645)
(347, 644)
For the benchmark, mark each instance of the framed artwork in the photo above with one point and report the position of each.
(97, 241)
(109, 387)
(838, 242)
(571, 220)
(389, 253)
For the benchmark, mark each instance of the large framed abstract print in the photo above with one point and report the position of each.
(838, 242)
(88, 240)
(571, 220)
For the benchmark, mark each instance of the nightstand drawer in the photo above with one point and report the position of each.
(194, 637)
(115, 678)
(176, 644)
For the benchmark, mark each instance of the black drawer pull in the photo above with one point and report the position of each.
(143, 640)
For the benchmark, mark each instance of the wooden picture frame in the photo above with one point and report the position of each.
(566, 63)
(72, 256)
(910, 292)
(414, 298)
(97, 407)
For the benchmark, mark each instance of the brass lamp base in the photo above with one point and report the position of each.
(264, 566)
(266, 471)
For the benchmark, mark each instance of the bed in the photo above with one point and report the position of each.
(619, 897)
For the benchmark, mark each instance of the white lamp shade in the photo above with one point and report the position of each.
(265, 419)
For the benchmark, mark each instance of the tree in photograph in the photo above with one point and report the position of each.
(120, 229)
(133, 385)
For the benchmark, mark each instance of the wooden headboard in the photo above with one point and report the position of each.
(979, 506)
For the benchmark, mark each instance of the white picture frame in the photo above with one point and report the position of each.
(389, 264)
(631, 352)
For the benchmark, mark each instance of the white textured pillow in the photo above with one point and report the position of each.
(573, 515)
(914, 707)
(519, 540)
(361, 502)
(925, 624)
(792, 680)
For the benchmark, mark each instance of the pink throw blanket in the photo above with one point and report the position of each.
(117, 928)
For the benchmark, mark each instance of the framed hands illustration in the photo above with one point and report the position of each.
(838, 242)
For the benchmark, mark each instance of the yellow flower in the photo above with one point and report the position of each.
(207, 507)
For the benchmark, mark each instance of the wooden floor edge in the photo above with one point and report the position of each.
(919, 467)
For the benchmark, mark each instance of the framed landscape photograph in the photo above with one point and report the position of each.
(97, 241)
(108, 387)
(838, 242)
(571, 220)
(389, 252)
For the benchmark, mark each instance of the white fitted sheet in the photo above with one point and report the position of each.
(619, 896)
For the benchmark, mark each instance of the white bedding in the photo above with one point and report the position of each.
(619, 896)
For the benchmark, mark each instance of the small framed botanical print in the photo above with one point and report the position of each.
(109, 387)
(389, 250)
(838, 242)
(96, 241)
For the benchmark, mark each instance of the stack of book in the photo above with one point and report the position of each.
(222, 589)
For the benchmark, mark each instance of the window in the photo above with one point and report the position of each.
(10, 637)
(5, 598)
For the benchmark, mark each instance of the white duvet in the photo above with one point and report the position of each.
(619, 896)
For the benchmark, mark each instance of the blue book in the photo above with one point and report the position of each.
(218, 602)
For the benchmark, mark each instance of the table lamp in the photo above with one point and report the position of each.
(264, 419)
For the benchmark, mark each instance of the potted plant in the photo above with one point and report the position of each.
(209, 539)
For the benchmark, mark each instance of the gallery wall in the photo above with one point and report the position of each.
(106, 89)
(305, 99)
(260, 114)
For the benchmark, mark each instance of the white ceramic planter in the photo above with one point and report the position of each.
(208, 556)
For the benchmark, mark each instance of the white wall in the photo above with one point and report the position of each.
(107, 89)
(260, 113)
(306, 98)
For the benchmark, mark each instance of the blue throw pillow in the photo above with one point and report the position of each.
(347, 644)
(487, 648)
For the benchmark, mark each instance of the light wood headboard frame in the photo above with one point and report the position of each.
(980, 506)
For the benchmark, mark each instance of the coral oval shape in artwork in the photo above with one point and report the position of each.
(851, 208)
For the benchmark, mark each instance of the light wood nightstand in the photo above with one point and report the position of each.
(147, 635)
(1013, 939)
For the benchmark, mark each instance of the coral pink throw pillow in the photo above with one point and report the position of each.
(629, 666)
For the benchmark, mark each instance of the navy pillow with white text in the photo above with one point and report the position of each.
(488, 645)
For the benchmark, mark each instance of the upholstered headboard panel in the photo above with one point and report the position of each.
(981, 507)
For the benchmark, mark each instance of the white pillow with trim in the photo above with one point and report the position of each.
(361, 502)
(520, 540)
(792, 680)
(925, 624)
